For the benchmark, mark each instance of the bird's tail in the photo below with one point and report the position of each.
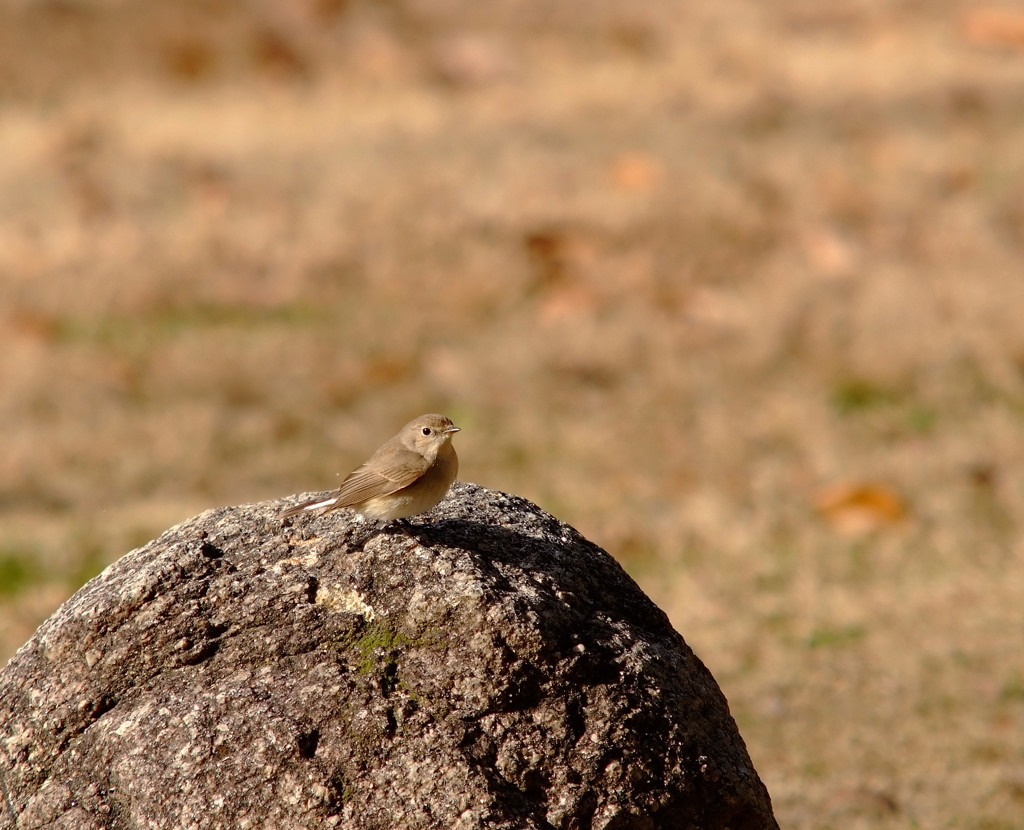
(313, 504)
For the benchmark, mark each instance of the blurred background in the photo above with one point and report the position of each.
(735, 288)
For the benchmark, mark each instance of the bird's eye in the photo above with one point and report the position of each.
(426, 430)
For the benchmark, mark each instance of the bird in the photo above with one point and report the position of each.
(407, 475)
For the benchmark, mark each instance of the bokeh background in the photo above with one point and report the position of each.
(736, 288)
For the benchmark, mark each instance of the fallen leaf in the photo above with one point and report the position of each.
(860, 507)
(567, 302)
(276, 54)
(993, 26)
(189, 59)
(828, 252)
(467, 60)
(557, 254)
(636, 172)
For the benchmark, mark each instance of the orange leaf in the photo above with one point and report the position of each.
(636, 172)
(992, 26)
(860, 507)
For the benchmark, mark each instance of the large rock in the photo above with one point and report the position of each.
(486, 668)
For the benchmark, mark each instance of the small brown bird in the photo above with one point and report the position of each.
(407, 475)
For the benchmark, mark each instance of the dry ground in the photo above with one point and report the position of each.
(736, 288)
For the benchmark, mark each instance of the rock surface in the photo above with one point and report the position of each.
(488, 667)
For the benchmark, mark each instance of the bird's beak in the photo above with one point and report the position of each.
(450, 430)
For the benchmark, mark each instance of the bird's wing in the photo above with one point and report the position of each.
(376, 478)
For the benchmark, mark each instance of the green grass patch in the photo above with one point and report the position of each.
(830, 637)
(857, 394)
(119, 331)
(18, 570)
(921, 419)
(1013, 689)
